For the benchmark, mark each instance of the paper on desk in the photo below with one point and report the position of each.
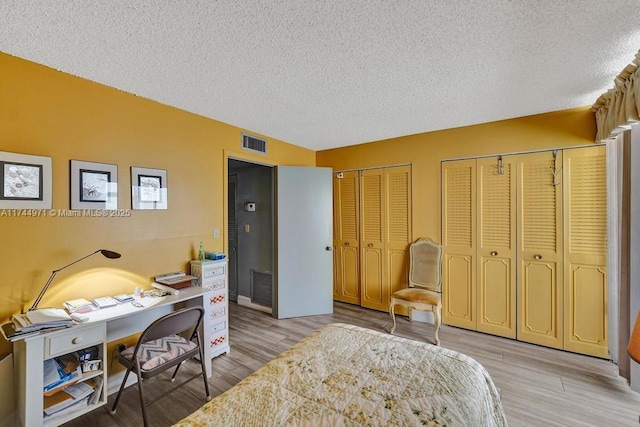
(147, 301)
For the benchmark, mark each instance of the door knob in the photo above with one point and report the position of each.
(494, 253)
(370, 245)
(328, 248)
(346, 243)
(538, 256)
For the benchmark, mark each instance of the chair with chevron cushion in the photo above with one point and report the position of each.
(162, 346)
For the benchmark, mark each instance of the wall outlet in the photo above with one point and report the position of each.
(216, 233)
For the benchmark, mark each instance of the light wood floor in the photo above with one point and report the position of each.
(538, 386)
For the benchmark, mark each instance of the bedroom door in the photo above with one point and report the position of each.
(304, 271)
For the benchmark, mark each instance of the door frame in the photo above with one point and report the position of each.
(260, 161)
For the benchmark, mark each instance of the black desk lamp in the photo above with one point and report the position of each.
(107, 253)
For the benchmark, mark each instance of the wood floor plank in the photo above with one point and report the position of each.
(538, 386)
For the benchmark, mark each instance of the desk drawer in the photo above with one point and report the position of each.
(74, 339)
(212, 272)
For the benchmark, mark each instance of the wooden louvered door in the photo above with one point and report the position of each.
(385, 218)
(397, 230)
(346, 243)
(585, 253)
(459, 243)
(373, 287)
(540, 248)
(496, 204)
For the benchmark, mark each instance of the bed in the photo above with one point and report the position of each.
(345, 375)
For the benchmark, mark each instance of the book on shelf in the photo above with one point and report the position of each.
(69, 396)
(59, 373)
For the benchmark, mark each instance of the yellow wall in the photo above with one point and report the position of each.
(48, 113)
(425, 152)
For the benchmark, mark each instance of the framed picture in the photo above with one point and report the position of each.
(148, 188)
(94, 185)
(26, 181)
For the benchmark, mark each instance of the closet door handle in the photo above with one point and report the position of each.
(370, 245)
(494, 253)
(346, 243)
(538, 256)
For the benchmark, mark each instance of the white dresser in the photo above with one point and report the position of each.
(212, 277)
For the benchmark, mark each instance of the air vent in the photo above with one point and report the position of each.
(260, 287)
(254, 144)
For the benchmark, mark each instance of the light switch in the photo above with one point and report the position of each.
(216, 233)
(246, 228)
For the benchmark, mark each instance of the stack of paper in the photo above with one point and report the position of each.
(78, 305)
(67, 397)
(35, 321)
(44, 318)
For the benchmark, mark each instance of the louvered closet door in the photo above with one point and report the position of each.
(459, 243)
(397, 228)
(540, 249)
(346, 243)
(496, 204)
(585, 228)
(374, 288)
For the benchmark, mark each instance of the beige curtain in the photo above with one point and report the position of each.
(618, 108)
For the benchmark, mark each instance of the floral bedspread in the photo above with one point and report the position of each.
(344, 375)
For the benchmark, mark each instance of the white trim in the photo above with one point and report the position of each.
(246, 302)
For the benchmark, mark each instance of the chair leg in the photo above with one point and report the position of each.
(204, 373)
(437, 313)
(410, 314)
(142, 401)
(124, 381)
(393, 317)
(175, 372)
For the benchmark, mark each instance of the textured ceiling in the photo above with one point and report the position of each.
(331, 73)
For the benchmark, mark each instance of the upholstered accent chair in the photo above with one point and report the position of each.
(160, 347)
(425, 284)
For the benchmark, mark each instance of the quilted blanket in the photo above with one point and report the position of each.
(344, 375)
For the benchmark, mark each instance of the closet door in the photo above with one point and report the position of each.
(540, 248)
(374, 291)
(585, 232)
(496, 205)
(459, 243)
(397, 230)
(346, 242)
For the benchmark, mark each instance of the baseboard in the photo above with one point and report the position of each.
(423, 316)
(246, 302)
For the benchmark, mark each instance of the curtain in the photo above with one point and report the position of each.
(618, 108)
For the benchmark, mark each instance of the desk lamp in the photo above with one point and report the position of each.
(107, 253)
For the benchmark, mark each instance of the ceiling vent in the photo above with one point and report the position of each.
(254, 144)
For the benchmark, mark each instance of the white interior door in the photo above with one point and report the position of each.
(304, 211)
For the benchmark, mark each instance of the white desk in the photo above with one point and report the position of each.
(106, 325)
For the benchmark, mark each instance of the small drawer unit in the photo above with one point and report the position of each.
(212, 276)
